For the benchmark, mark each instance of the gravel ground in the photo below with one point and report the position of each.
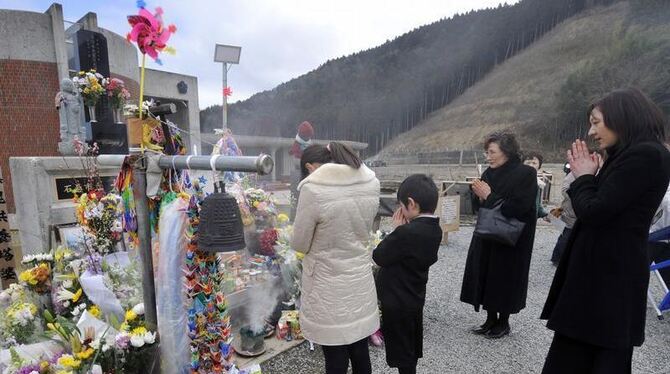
(449, 347)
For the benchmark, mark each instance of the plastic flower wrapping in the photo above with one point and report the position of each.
(91, 85)
(290, 261)
(124, 281)
(261, 206)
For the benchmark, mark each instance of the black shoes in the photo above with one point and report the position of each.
(483, 329)
(497, 333)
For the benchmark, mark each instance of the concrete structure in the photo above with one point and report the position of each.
(35, 181)
(36, 52)
(276, 147)
(162, 86)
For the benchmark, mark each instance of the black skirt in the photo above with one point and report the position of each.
(403, 336)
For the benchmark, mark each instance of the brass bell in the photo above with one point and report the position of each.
(220, 228)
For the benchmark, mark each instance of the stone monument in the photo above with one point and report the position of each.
(70, 107)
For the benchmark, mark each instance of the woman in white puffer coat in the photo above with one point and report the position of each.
(339, 198)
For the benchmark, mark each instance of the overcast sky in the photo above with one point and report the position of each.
(280, 40)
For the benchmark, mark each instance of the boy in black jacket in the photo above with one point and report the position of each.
(405, 256)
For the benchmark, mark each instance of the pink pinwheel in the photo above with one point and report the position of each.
(227, 91)
(149, 34)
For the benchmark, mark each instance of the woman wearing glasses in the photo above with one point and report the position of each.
(496, 275)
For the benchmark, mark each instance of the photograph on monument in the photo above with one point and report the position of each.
(72, 236)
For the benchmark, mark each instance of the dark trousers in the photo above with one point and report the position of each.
(568, 355)
(403, 337)
(560, 245)
(338, 357)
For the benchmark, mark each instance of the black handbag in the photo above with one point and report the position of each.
(493, 225)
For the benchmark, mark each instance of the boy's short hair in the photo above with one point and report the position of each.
(422, 190)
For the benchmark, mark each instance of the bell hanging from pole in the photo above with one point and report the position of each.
(220, 228)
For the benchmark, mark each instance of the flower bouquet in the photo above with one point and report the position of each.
(117, 92)
(135, 343)
(37, 277)
(91, 86)
(20, 323)
(290, 262)
(262, 208)
(100, 216)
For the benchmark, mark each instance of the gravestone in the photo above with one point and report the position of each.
(7, 259)
(91, 53)
(39, 183)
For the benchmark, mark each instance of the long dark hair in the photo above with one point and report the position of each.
(632, 115)
(315, 153)
(334, 152)
(343, 154)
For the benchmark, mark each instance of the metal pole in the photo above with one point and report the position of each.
(225, 98)
(144, 235)
(262, 164)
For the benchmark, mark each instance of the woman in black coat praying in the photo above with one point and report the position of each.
(597, 301)
(496, 275)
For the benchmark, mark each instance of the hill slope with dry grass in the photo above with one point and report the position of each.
(541, 93)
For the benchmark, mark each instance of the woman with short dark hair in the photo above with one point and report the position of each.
(597, 303)
(496, 275)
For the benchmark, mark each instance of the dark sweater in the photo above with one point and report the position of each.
(405, 256)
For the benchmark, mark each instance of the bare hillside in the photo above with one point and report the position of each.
(522, 93)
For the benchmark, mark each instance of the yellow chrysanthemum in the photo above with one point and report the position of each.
(85, 355)
(282, 218)
(77, 295)
(44, 365)
(26, 276)
(139, 331)
(300, 255)
(95, 311)
(130, 315)
(68, 361)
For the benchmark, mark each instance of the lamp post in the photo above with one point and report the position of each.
(226, 54)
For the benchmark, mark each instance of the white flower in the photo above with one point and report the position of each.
(5, 297)
(68, 283)
(106, 347)
(139, 309)
(137, 341)
(149, 337)
(66, 304)
(64, 295)
(97, 369)
(34, 372)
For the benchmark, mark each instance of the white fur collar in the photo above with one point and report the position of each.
(339, 175)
